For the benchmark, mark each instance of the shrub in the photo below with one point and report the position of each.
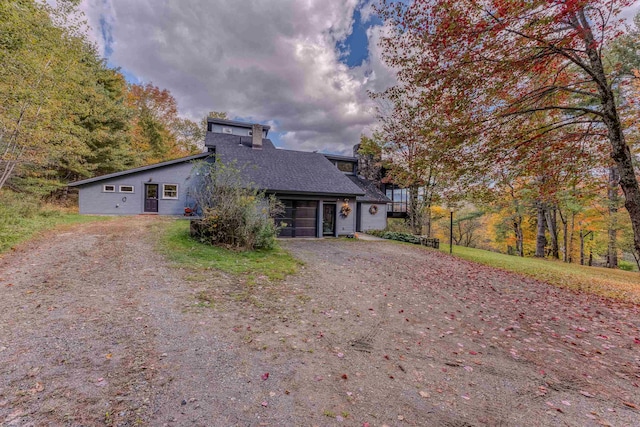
(626, 265)
(234, 213)
(402, 237)
(377, 233)
(395, 235)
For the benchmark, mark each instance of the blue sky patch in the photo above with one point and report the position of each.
(355, 48)
(107, 37)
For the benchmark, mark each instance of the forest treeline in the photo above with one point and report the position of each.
(65, 114)
(521, 117)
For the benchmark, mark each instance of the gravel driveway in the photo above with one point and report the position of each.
(96, 328)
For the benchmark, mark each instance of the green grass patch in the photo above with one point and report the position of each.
(180, 248)
(23, 217)
(618, 284)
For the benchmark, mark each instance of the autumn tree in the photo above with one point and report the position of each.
(158, 132)
(493, 65)
(413, 153)
(39, 45)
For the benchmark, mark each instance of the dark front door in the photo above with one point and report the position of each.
(329, 220)
(151, 197)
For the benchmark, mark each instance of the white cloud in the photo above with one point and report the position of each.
(269, 61)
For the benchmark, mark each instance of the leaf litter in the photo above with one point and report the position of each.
(481, 347)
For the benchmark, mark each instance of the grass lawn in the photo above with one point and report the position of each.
(22, 218)
(618, 284)
(180, 248)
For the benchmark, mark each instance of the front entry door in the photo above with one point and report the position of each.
(329, 220)
(151, 197)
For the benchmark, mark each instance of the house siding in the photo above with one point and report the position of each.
(346, 225)
(373, 222)
(93, 200)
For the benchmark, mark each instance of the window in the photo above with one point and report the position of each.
(227, 130)
(126, 188)
(169, 191)
(109, 188)
(399, 197)
(346, 167)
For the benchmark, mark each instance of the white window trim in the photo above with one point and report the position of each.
(133, 189)
(170, 198)
(104, 188)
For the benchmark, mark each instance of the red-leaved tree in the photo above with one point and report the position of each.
(505, 75)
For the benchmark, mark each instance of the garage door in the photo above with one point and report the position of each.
(300, 217)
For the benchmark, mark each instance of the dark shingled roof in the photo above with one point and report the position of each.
(212, 139)
(371, 193)
(286, 171)
(140, 169)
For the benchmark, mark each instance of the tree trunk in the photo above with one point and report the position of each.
(612, 232)
(427, 212)
(517, 230)
(552, 226)
(581, 248)
(571, 234)
(541, 240)
(565, 243)
(414, 211)
(620, 152)
(517, 222)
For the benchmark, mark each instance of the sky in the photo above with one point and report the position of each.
(304, 67)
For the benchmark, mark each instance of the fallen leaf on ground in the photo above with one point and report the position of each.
(265, 376)
(425, 394)
(37, 388)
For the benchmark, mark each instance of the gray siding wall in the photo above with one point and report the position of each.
(373, 222)
(346, 225)
(93, 200)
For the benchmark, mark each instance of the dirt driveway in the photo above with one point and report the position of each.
(98, 329)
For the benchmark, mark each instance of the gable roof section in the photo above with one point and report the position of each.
(234, 123)
(371, 193)
(339, 157)
(140, 169)
(213, 139)
(287, 171)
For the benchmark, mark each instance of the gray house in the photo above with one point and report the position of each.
(161, 189)
(322, 194)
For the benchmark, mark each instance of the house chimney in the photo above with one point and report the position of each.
(256, 139)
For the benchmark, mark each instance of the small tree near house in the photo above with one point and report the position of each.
(234, 213)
